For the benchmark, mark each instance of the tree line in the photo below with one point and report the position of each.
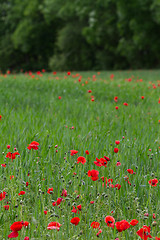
(79, 34)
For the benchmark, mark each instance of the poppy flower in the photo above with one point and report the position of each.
(81, 160)
(13, 234)
(2, 196)
(21, 193)
(8, 146)
(93, 174)
(118, 163)
(54, 225)
(75, 221)
(110, 221)
(26, 238)
(50, 190)
(100, 231)
(3, 165)
(64, 193)
(89, 91)
(87, 152)
(122, 225)
(116, 107)
(59, 200)
(117, 142)
(69, 73)
(25, 224)
(134, 222)
(117, 186)
(12, 155)
(116, 99)
(6, 207)
(91, 202)
(157, 238)
(130, 171)
(125, 104)
(116, 150)
(153, 182)
(74, 210)
(92, 99)
(45, 212)
(100, 162)
(107, 158)
(142, 97)
(79, 207)
(144, 232)
(154, 216)
(59, 97)
(95, 224)
(0, 117)
(33, 145)
(73, 152)
(16, 226)
(27, 184)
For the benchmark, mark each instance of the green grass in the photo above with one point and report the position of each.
(31, 111)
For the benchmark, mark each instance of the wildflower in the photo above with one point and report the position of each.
(54, 225)
(79, 207)
(59, 97)
(45, 212)
(21, 193)
(16, 226)
(116, 150)
(87, 152)
(33, 145)
(95, 224)
(134, 222)
(110, 221)
(122, 225)
(118, 163)
(13, 234)
(81, 160)
(153, 182)
(73, 152)
(144, 232)
(107, 158)
(8, 146)
(74, 210)
(117, 186)
(3, 165)
(100, 162)
(130, 171)
(50, 190)
(93, 174)
(6, 207)
(117, 142)
(2, 196)
(75, 221)
(12, 155)
(26, 238)
(142, 97)
(125, 104)
(116, 107)
(64, 193)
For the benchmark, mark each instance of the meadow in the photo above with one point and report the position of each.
(112, 120)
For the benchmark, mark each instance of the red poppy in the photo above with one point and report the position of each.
(3, 165)
(79, 207)
(26, 238)
(73, 152)
(45, 212)
(122, 225)
(27, 184)
(64, 193)
(12, 155)
(87, 152)
(116, 107)
(21, 193)
(107, 158)
(117, 186)
(110, 221)
(142, 97)
(144, 232)
(116, 150)
(95, 224)
(157, 238)
(130, 171)
(117, 142)
(0, 117)
(116, 99)
(89, 91)
(33, 145)
(59, 200)
(100, 162)
(13, 234)
(6, 207)
(74, 210)
(25, 224)
(100, 231)
(59, 97)
(54, 225)
(154, 216)
(8, 146)
(2, 196)
(81, 160)
(118, 163)
(69, 73)
(125, 104)
(93, 174)
(134, 222)
(153, 182)
(16, 226)
(92, 99)
(91, 202)
(50, 190)
(75, 221)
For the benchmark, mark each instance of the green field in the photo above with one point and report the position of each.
(31, 110)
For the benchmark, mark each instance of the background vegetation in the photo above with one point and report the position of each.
(79, 34)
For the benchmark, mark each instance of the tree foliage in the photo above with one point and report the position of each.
(79, 35)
